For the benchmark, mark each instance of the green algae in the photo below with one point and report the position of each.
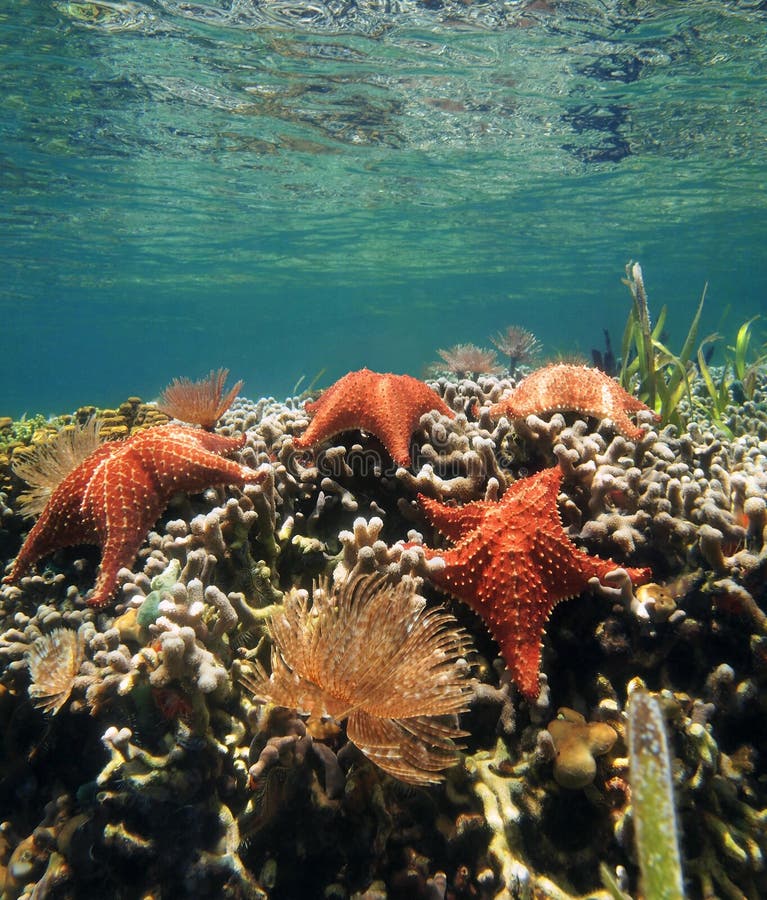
(150, 608)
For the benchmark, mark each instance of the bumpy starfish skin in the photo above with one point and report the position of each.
(388, 406)
(117, 493)
(561, 387)
(513, 563)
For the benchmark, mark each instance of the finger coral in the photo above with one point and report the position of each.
(370, 652)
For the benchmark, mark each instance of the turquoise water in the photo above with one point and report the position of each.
(283, 188)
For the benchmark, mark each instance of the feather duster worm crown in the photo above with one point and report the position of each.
(369, 651)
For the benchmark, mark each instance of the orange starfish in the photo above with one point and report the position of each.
(513, 563)
(388, 406)
(561, 387)
(116, 494)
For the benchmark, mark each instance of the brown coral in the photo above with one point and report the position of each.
(54, 662)
(577, 742)
(370, 652)
(198, 402)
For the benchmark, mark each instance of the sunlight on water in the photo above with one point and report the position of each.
(279, 187)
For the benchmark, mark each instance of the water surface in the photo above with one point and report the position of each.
(282, 187)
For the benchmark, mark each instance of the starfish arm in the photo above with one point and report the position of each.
(463, 573)
(342, 407)
(120, 550)
(179, 462)
(206, 469)
(394, 434)
(388, 406)
(326, 424)
(57, 527)
(403, 401)
(454, 522)
(219, 443)
(566, 569)
(624, 425)
(122, 502)
(515, 605)
(523, 660)
(60, 524)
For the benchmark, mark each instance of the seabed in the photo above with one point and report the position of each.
(128, 769)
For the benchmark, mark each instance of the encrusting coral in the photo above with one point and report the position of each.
(577, 743)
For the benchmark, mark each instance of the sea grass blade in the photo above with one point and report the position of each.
(719, 396)
(742, 342)
(652, 798)
(660, 324)
(685, 355)
(678, 383)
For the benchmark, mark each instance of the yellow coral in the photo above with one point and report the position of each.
(577, 742)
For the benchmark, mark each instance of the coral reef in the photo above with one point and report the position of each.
(184, 784)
